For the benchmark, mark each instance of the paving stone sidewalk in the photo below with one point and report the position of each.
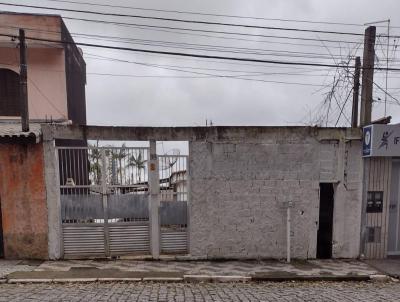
(258, 270)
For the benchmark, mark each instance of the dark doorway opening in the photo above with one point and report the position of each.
(325, 229)
(1, 234)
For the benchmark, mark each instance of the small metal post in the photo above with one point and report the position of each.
(105, 202)
(288, 228)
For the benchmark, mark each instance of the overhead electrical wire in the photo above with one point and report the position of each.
(241, 77)
(234, 38)
(179, 68)
(209, 14)
(213, 48)
(182, 20)
(209, 36)
(203, 47)
(302, 72)
(220, 48)
(185, 29)
(218, 62)
(183, 54)
(58, 32)
(163, 66)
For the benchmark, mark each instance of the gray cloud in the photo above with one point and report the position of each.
(174, 101)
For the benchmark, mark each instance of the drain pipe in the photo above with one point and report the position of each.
(288, 228)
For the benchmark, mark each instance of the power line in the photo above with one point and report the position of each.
(183, 20)
(220, 48)
(208, 31)
(168, 43)
(174, 68)
(211, 14)
(310, 69)
(192, 34)
(302, 72)
(241, 77)
(205, 77)
(234, 38)
(158, 27)
(191, 30)
(194, 55)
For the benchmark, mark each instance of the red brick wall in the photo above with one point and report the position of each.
(23, 201)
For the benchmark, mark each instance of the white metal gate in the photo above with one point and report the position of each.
(104, 201)
(104, 196)
(174, 197)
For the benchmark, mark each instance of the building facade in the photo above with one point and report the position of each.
(381, 200)
(56, 71)
(56, 93)
(240, 181)
(230, 198)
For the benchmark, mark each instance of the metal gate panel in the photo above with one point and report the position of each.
(174, 176)
(82, 240)
(104, 201)
(174, 242)
(126, 238)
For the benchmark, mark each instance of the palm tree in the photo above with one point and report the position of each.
(119, 156)
(94, 158)
(139, 163)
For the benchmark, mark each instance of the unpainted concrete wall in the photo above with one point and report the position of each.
(23, 201)
(240, 183)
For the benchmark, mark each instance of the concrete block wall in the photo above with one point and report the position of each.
(348, 203)
(240, 182)
(23, 201)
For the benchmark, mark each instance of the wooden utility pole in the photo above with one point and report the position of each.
(356, 92)
(367, 75)
(23, 85)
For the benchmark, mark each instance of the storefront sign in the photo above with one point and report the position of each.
(381, 140)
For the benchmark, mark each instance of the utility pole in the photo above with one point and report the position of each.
(23, 85)
(367, 75)
(387, 61)
(356, 89)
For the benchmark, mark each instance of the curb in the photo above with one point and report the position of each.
(29, 280)
(214, 278)
(208, 278)
(163, 279)
(119, 279)
(380, 278)
(91, 280)
(317, 278)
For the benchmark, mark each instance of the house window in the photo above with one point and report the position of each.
(374, 234)
(9, 93)
(374, 201)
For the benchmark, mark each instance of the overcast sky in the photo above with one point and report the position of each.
(164, 96)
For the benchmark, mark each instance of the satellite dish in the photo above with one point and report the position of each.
(169, 159)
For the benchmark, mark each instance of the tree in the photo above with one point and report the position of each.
(94, 162)
(119, 156)
(138, 162)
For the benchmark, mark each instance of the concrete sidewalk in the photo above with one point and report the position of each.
(222, 271)
(388, 266)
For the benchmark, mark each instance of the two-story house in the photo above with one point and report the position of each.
(56, 79)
